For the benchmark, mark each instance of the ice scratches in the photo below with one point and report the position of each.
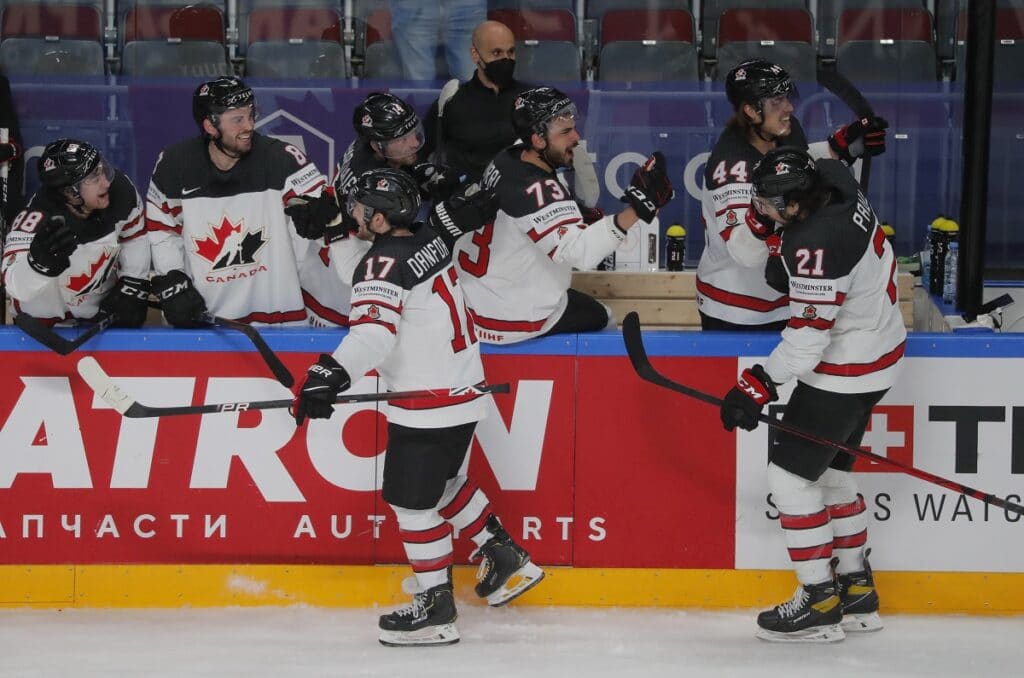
(238, 583)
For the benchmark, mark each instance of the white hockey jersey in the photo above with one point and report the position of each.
(112, 243)
(845, 333)
(409, 321)
(228, 230)
(517, 270)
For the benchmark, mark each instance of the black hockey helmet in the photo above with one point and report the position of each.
(535, 108)
(216, 96)
(391, 192)
(382, 117)
(755, 80)
(64, 163)
(785, 173)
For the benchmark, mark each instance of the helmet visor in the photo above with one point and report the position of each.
(404, 146)
(763, 203)
(103, 169)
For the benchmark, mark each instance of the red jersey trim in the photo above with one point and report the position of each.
(740, 300)
(273, 316)
(506, 325)
(860, 369)
(323, 311)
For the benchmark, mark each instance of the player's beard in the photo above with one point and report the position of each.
(234, 147)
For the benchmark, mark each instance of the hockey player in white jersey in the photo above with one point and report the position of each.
(79, 249)
(731, 291)
(517, 270)
(844, 344)
(409, 321)
(232, 215)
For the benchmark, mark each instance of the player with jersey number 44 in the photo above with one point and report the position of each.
(409, 321)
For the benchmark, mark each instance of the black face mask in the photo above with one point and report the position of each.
(500, 71)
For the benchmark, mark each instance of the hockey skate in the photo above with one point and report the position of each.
(428, 620)
(812, 616)
(860, 600)
(505, 571)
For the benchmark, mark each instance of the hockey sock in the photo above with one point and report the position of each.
(427, 539)
(467, 508)
(805, 524)
(849, 519)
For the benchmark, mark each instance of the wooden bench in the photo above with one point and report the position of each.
(669, 300)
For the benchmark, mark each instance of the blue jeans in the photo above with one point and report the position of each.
(418, 26)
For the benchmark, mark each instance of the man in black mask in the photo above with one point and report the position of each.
(471, 122)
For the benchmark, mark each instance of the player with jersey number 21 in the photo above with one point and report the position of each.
(232, 216)
(409, 321)
(844, 345)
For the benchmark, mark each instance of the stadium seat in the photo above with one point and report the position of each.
(829, 12)
(537, 24)
(567, 5)
(175, 58)
(29, 57)
(886, 45)
(547, 61)
(295, 42)
(1008, 58)
(184, 22)
(713, 10)
(647, 46)
(782, 36)
(39, 20)
(373, 37)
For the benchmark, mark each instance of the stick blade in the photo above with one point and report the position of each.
(103, 386)
(633, 339)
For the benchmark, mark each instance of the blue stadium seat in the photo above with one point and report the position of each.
(308, 59)
(27, 57)
(547, 61)
(175, 59)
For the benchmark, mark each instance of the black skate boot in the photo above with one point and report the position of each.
(812, 616)
(505, 571)
(428, 620)
(860, 600)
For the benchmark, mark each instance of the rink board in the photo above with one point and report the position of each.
(628, 493)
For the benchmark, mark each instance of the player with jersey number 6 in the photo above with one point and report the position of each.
(844, 345)
(409, 322)
(731, 290)
(233, 215)
(517, 269)
(79, 248)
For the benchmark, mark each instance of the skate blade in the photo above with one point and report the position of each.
(832, 633)
(862, 623)
(521, 581)
(442, 634)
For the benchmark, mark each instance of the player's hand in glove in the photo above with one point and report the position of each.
(590, 214)
(650, 189)
(182, 304)
(342, 229)
(325, 379)
(469, 208)
(861, 137)
(436, 182)
(311, 216)
(127, 302)
(742, 404)
(51, 248)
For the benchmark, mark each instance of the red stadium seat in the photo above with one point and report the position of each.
(745, 25)
(904, 23)
(378, 26)
(193, 22)
(659, 25)
(289, 23)
(70, 22)
(537, 24)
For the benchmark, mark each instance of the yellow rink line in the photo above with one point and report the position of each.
(101, 586)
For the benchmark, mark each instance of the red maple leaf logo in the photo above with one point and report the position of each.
(77, 283)
(209, 248)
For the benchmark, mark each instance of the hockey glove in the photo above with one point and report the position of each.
(590, 214)
(182, 304)
(325, 379)
(127, 302)
(861, 137)
(51, 248)
(9, 151)
(436, 182)
(650, 188)
(311, 216)
(339, 230)
(762, 226)
(742, 404)
(469, 208)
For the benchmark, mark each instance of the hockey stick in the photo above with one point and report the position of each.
(101, 383)
(45, 335)
(642, 364)
(5, 171)
(281, 373)
(447, 92)
(848, 93)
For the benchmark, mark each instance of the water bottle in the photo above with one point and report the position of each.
(675, 247)
(949, 281)
(944, 231)
(926, 259)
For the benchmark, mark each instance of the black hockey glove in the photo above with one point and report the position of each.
(436, 182)
(182, 304)
(650, 188)
(743, 403)
(342, 229)
(590, 214)
(51, 248)
(775, 270)
(325, 379)
(127, 302)
(311, 216)
(861, 137)
(469, 208)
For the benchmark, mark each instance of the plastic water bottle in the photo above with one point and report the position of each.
(949, 282)
(926, 259)
(675, 247)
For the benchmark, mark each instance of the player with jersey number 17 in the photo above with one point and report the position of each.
(409, 321)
